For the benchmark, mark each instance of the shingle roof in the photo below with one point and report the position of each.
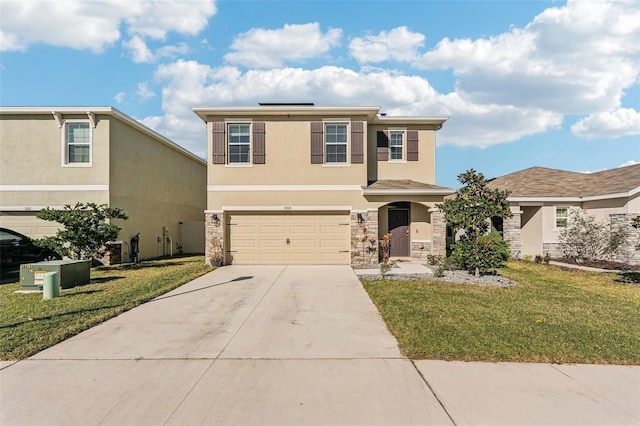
(543, 182)
(402, 184)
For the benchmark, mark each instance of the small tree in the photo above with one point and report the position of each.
(86, 229)
(471, 211)
(585, 239)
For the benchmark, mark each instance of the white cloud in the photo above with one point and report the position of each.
(264, 48)
(189, 83)
(59, 23)
(119, 97)
(574, 59)
(628, 163)
(614, 124)
(144, 92)
(399, 44)
(140, 52)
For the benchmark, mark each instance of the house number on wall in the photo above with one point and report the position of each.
(287, 207)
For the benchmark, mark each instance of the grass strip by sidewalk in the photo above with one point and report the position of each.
(29, 324)
(551, 315)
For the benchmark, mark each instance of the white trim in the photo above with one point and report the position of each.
(29, 188)
(30, 209)
(337, 120)
(245, 188)
(285, 208)
(214, 211)
(64, 159)
(409, 191)
(420, 241)
(575, 199)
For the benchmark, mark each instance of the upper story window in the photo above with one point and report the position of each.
(335, 142)
(239, 143)
(77, 143)
(562, 215)
(396, 145)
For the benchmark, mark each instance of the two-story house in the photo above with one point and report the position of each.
(305, 184)
(53, 156)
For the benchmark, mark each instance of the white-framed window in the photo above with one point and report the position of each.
(239, 143)
(77, 143)
(562, 215)
(396, 145)
(335, 143)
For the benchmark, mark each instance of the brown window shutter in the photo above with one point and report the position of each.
(357, 142)
(383, 146)
(258, 143)
(412, 145)
(219, 145)
(317, 142)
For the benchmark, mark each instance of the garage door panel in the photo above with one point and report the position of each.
(313, 238)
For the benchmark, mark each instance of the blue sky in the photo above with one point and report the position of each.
(524, 83)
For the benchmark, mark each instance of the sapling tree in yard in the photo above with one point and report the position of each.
(586, 239)
(471, 211)
(86, 229)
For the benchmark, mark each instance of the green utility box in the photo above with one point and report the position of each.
(71, 273)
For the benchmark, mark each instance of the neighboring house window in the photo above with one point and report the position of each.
(562, 214)
(239, 143)
(77, 143)
(335, 142)
(396, 145)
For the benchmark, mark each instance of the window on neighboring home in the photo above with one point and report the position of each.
(562, 214)
(77, 143)
(335, 143)
(396, 145)
(239, 143)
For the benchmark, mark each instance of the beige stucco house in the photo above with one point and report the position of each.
(53, 156)
(541, 198)
(305, 184)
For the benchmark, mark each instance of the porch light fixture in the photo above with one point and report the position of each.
(360, 219)
(216, 220)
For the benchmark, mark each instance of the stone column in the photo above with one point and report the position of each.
(214, 231)
(358, 222)
(511, 231)
(439, 231)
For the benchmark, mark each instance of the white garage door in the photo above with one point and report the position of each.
(28, 224)
(286, 239)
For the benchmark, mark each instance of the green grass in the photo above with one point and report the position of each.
(551, 315)
(29, 324)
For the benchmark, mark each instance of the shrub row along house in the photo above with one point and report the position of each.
(283, 184)
(56, 156)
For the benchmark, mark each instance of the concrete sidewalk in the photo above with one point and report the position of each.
(283, 346)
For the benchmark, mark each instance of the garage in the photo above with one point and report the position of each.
(28, 224)
(289, 239)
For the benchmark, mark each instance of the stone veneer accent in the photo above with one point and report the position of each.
(371, 223)
(511, 232)
(420, 250)
(628, 252)
(439, 233)
(213, 229)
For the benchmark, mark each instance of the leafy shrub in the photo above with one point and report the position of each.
(483, 255)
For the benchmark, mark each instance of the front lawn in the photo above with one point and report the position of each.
(551, 315)
(29, 324)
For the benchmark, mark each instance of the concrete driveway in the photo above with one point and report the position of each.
(241, 345)
(289, 345)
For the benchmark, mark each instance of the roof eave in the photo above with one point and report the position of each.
(409, 191)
